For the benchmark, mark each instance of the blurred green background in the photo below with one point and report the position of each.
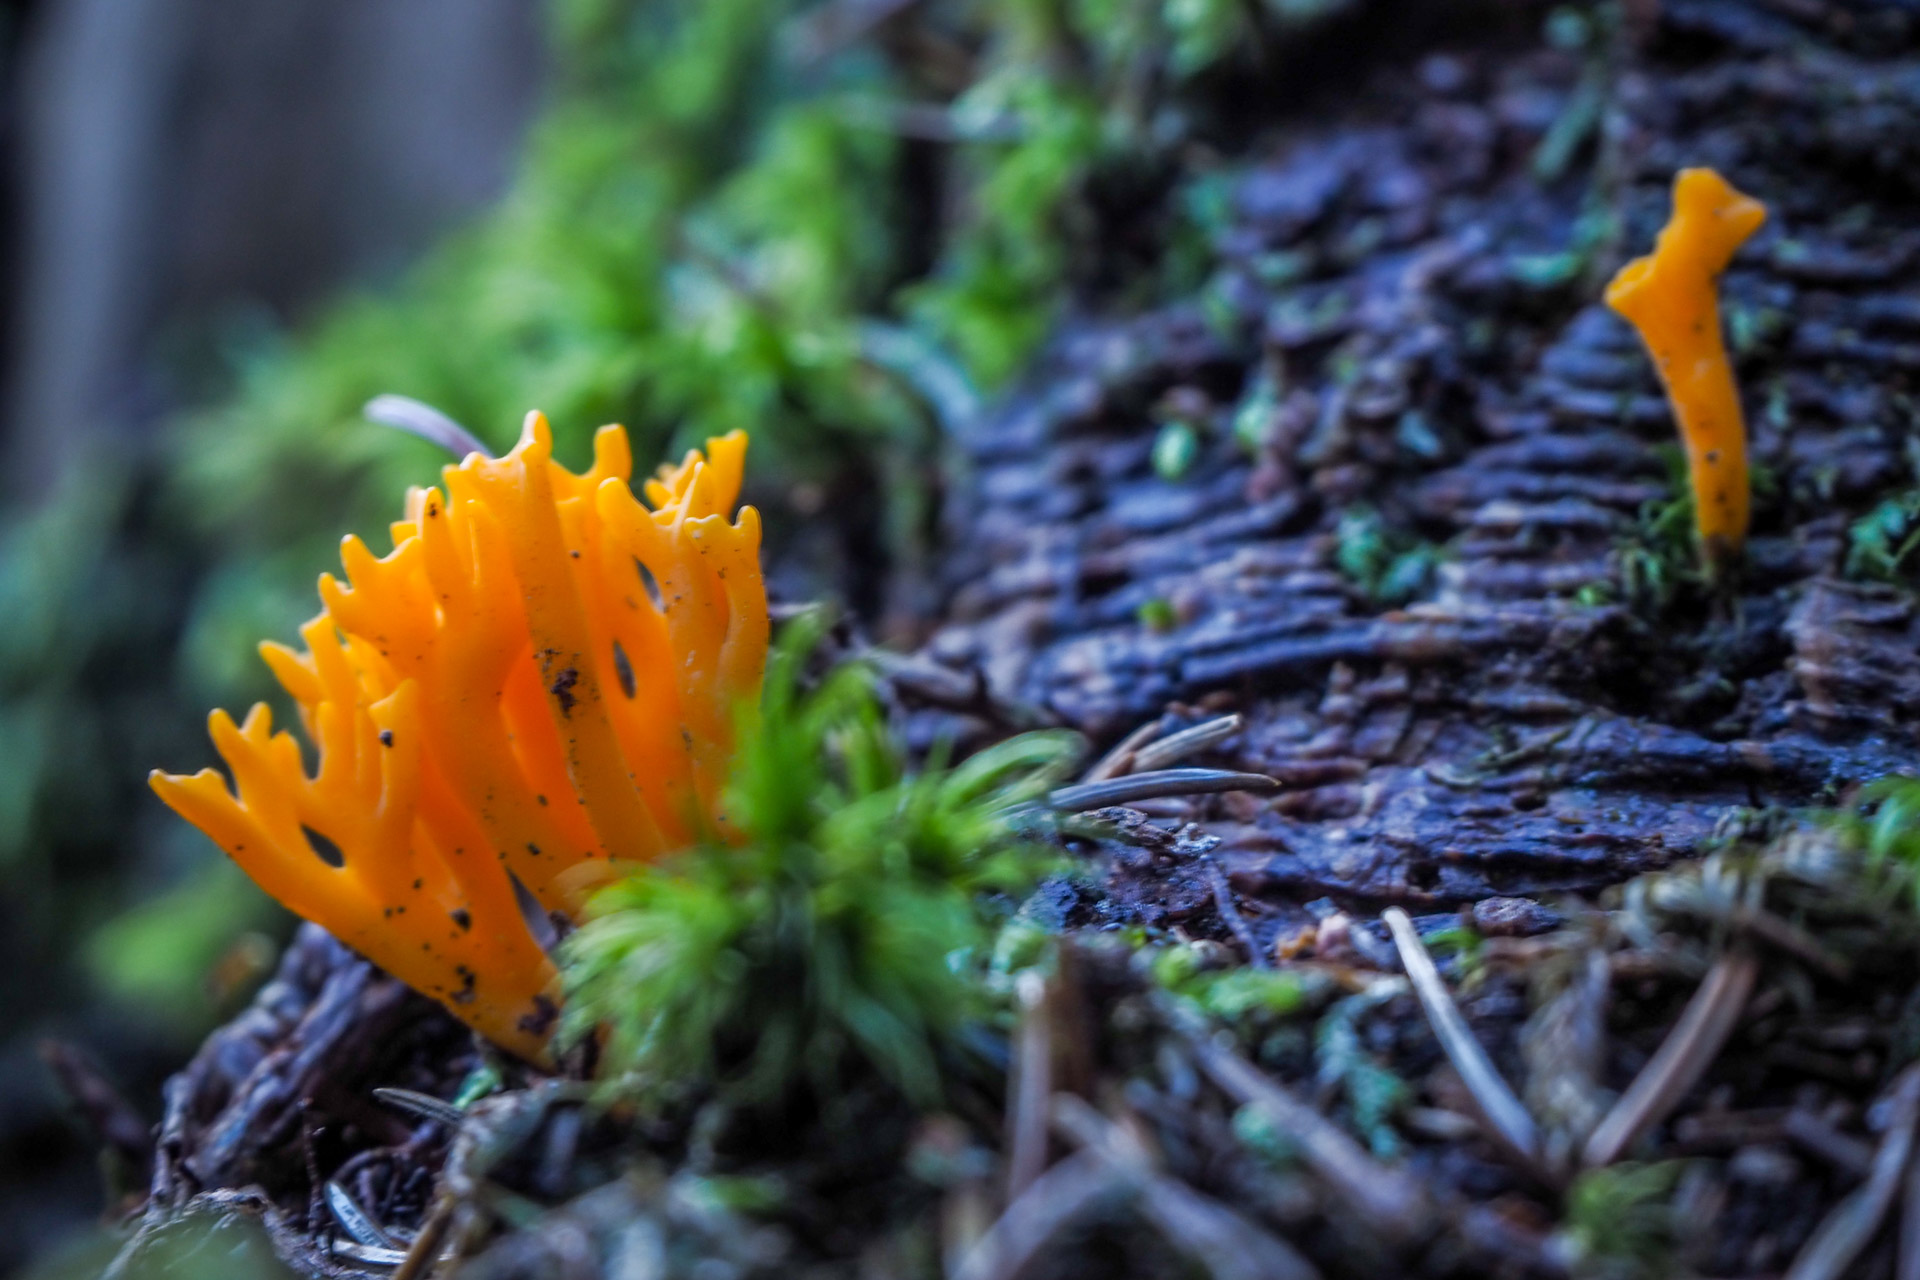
(840, 225)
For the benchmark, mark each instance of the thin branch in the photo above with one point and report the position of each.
(1683, 1056)
(1056, 1198)
(1228, 1245)
(1815, 1136)
(111, 1120)
(1119, 761)
(1032, 1086)
(1508, 1120)
(1389, 1199)
(1230, 914)
(425, 1249)
(1852, 1223)
(1174, 748)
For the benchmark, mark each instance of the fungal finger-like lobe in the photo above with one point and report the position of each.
(702, 602)
(541, 676)
(1671, 297)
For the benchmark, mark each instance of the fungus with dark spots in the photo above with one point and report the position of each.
(421, 685)
(623, 669)
(1671, 297)
(324, 849)
(540, 1021)
(648, 581)
(562, 690)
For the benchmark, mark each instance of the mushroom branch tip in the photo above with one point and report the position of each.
(541, 677)
(1671, 297)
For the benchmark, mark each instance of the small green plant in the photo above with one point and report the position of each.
(1392, 567)
(1620, 1221)
(847, 924)
(1374, 1093)
(1158, 615)
(1233, 996)
(1883, 824)
(1174, 450)
(1880, 542)
(1657, 558)
(1658, 561)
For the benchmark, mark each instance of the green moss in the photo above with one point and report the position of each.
(1658, 558)
(848, 924)
(1880, 543)
(1174, 450)
(1375, 1095)
(1620, 1221)
(1389, 565)
(1158, 615)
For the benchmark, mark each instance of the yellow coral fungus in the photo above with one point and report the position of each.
(542, 672)
(1671, 297)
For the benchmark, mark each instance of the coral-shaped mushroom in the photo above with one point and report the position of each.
(542, 675)
(1671, 297)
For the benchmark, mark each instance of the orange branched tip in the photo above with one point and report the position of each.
(1671, 297)
(542, 675)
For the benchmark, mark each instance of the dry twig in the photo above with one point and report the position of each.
(1227, 1244)
(1174, 748)
(1056, 1198)
(1846, 1230)
(1032, 1086)
(1688, 1051)
(1120, 760)
(1230, 914)
(1508, 1121)
(1389, 1199)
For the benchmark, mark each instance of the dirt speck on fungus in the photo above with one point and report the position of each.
(562, 689)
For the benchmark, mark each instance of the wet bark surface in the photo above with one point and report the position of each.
(1416, 548)
(1401, 352)
(280, 1100)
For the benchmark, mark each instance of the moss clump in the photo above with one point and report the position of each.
(847, 924)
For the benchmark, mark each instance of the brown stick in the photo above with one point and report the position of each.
(1390, 1200)
(1683, 1056)
(1506, 1118)
(1032, 1086)
(1844, 1232)
(1230, 914)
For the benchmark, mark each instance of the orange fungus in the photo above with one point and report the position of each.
(542, 675)
(1670, 296)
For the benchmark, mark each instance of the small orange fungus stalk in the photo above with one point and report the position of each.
(1671, 297)
(543, 674)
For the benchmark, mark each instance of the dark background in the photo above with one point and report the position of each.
(171, 171)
